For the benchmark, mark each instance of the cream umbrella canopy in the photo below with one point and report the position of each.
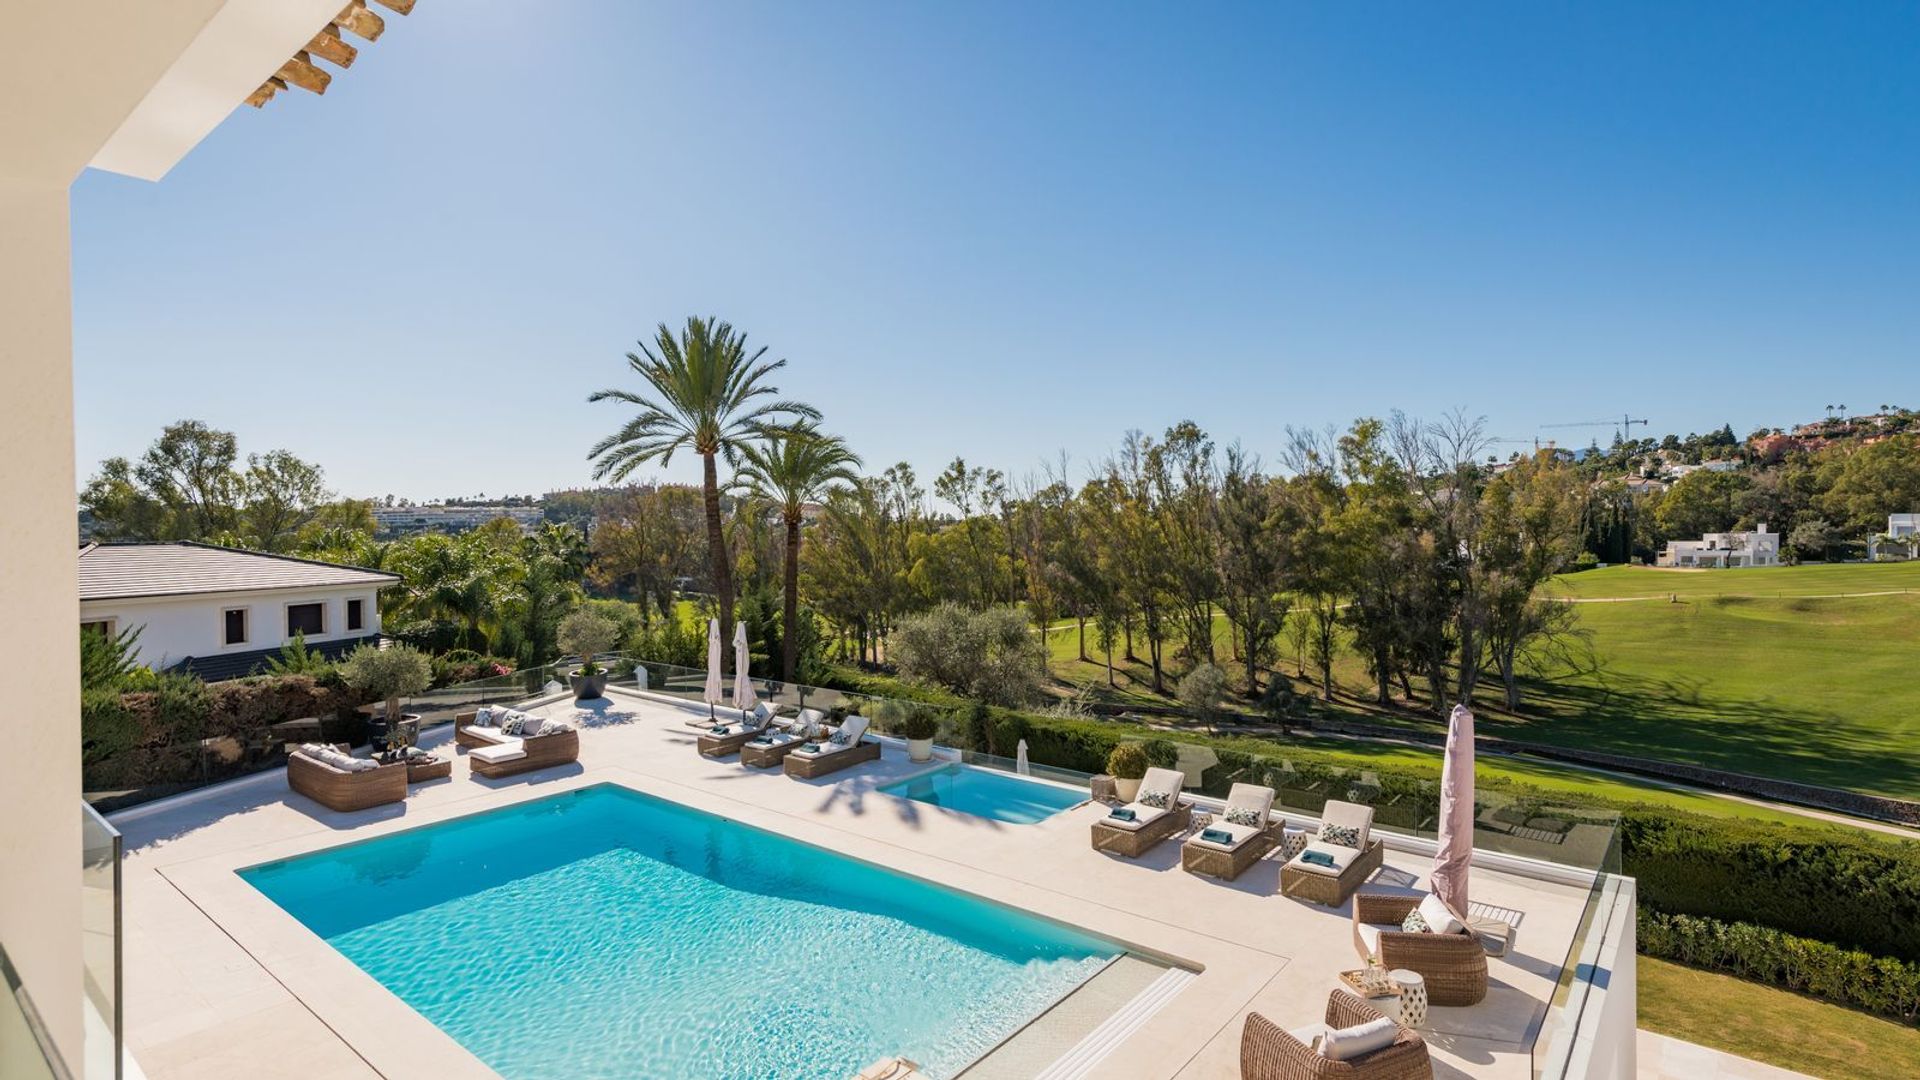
(744, 698)
(715, 694)
(1455, 852)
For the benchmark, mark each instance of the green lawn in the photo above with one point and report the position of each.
(1773, 1026)
(1817, 579)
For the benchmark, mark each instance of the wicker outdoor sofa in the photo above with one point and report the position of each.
(343, 789)
(1150, 823)
(1351, 863)
(493, 753)
(846, 747)
(1452, 961)
(1249, 828)
(1268, 1052)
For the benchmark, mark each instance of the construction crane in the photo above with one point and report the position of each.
(1621, 427)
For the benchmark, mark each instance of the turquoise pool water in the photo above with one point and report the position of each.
(606, 933)
(988, 794)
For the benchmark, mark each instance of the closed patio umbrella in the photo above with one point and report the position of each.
(743, 696)
(714, 692)
(1455, 851)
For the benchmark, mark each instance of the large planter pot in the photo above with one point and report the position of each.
(588, 686)
(1124, 789)
(377, 729)
(920, 749)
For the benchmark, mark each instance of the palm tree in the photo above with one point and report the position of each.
(706, 394)
(792, 468)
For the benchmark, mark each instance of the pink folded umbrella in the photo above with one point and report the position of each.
(1450, 863)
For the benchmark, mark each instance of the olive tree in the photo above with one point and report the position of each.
(388, 674)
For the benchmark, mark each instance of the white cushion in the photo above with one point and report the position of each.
(1346, 1044)
(1350, 815)
(327, 755)
(490, 734)
(1309, 1035)
(1342, 858)
(1439, 919)
(1241, 834)
(1369, 938)
(510, 750)
(551, 726)
(1143, 815)
(781, 738)
(1167, 780)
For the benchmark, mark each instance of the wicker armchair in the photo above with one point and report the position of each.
(1269, 1052)
(338, 789)
(1453, 965)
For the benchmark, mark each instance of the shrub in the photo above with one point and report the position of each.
(1848, 977)
(885, 715)
(973, 726)
(921, 723)
(391, 673)
(107, 661)
(295, 658)
(1203, 689)
(586, 633)
(465, 666)
(987, 655)
(1128, 761)
(1162, 753)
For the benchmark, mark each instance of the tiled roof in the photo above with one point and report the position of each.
(122, 571)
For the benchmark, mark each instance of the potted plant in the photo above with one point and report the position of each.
(918, 729)
(587, 633)
(390, 674)
(1127, 764)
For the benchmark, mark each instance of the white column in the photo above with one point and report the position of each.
(39, 608)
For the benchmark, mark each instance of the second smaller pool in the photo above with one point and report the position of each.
(988, 794)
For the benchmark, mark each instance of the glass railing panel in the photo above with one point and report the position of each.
(100, 940)
(26, 1050)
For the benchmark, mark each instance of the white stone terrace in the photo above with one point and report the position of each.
(219, 982)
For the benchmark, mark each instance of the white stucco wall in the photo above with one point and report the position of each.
(177, 627)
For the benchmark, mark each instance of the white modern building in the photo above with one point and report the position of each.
(413, 518)
(1724, 549)
(221, 612)
(1900, 539)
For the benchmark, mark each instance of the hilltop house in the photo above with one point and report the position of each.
(1900, 539)
(1719, 550)
(219, 613)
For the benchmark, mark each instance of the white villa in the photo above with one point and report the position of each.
(1904, 532)
(221, 612)
(1724, 549)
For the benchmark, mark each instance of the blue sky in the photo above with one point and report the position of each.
(1011, 230)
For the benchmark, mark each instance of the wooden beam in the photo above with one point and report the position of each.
(357, 18)
(327, 46)
(398, 7)
(300, 72)
(261, 96)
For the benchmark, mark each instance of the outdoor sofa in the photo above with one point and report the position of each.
(1156, 813)
(334, 778)
(1241, 834)
(1385, 1050)
(1338, 860)
(506, 742)
(1446, 953)
(844, 748)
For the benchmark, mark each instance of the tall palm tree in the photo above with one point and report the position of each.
(793, 467)
(705, 392)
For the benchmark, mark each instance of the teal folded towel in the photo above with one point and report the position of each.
(1122, 813)
(762, 740)
(720, 730)
(1317, 858)
(1217, 836)
(812, 748)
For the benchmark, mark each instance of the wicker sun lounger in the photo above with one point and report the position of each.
(339, 789)
(1135, 840)
(1453, 965)
(1268, 1052)
(769, 755)
(1228, 861)
(737, 736)
(829, 759)
(1353, 863)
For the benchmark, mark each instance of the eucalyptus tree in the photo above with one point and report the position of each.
(1255, 532)
(795, 466)
(705, 391)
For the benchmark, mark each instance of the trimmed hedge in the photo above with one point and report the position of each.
(1855, 892)
(1880, 985)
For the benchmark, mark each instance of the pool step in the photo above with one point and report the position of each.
(1070, 1039)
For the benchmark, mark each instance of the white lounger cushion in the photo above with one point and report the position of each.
(511, 750)
(1342, 858)
(1439, 919)
(1143, 815)
(1249, 798)
(1241, 834)
(1349, 815)
(846, 738)
(491, 735)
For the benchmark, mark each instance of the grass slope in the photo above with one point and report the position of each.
(1773, 1026)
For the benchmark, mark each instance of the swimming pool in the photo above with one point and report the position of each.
(604, 932)
(988, 794)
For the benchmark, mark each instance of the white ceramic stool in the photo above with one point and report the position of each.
(1413, 996)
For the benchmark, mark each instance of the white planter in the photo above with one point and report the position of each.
(920, 749)
(1126, 789)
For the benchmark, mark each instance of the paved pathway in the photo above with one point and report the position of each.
(1662, 1057)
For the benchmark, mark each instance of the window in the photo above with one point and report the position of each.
(307, 619)
(103, 627)
(355, 621)
(234, 630)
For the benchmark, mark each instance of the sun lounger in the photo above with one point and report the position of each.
(1156, 813)
(846, 747)
(1337, 861)
(1244, 831)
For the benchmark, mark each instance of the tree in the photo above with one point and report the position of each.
(1701, 502)
(1253, 545)
(586, 633)
(1202, 690)
(705, 392)
(189, 469)
(388, 674)
(986, 655)
(187, 487)
(282, 492)
(1530, 531)
(1812, 539)
(794, 467)
(644, 543)
(1872, 481)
